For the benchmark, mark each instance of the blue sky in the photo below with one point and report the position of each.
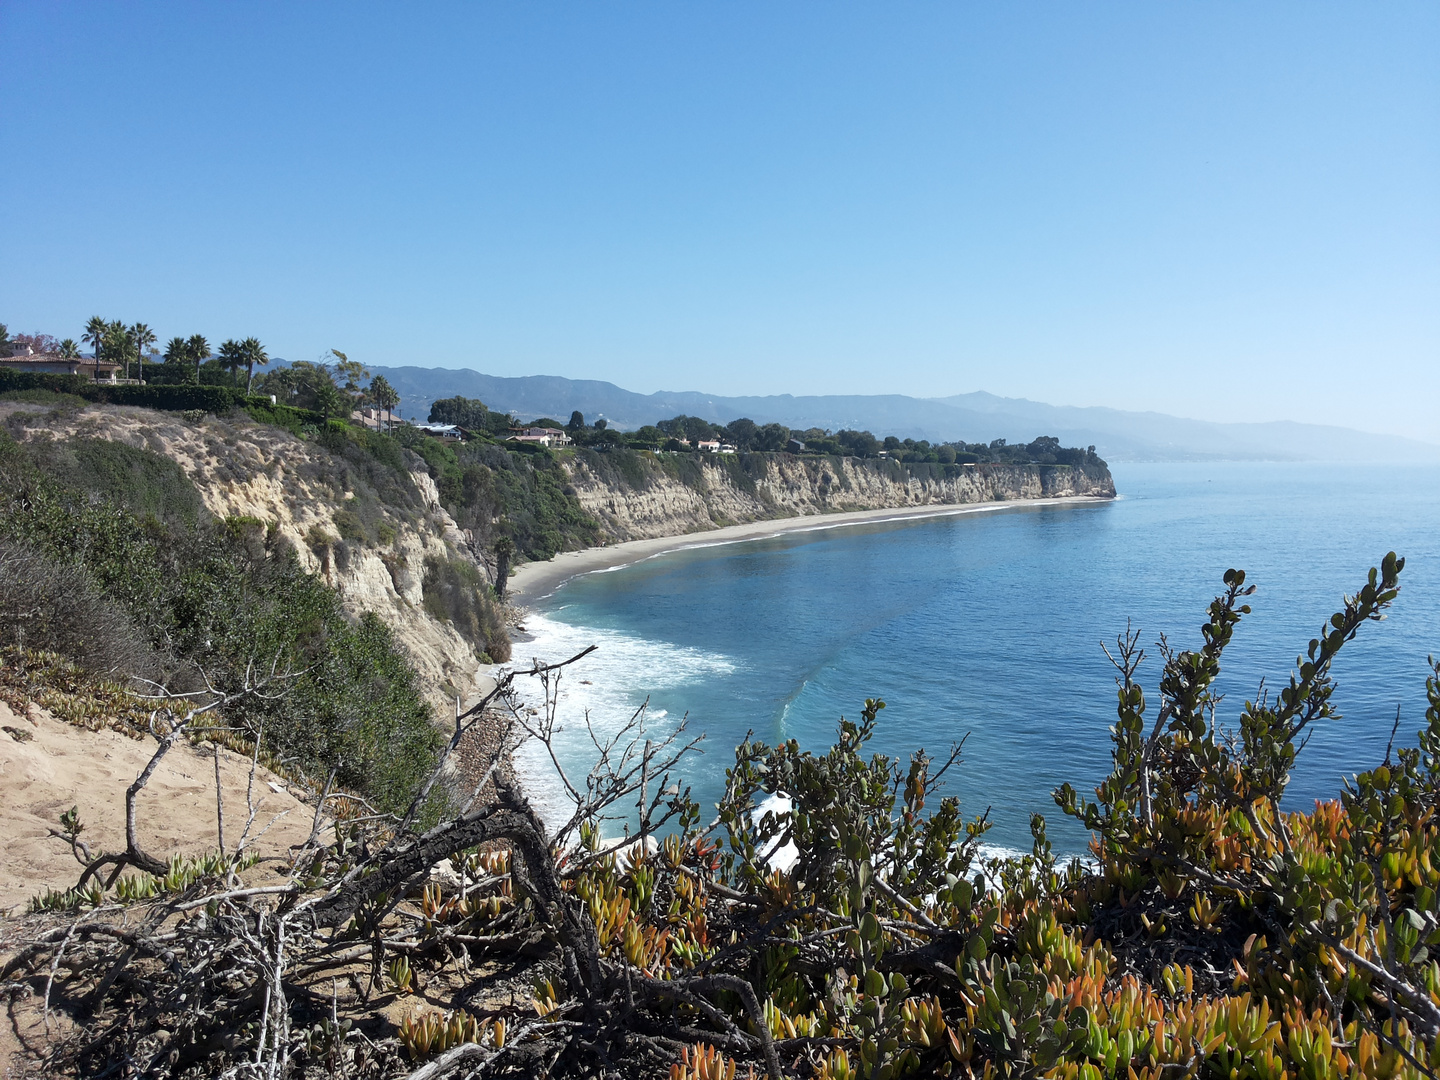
(1227, 211)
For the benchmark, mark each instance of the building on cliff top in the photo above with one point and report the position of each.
(24, 359)
(375, 419)
(541, 436)
(441, 431)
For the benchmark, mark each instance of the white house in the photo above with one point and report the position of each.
(541, 436)
(55, 364)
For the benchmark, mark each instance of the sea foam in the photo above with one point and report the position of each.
(598, 687)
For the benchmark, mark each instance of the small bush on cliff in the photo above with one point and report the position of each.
(144, 483)
(455, 592)
(53, 606)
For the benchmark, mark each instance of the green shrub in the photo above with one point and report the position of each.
(455, 592)
(45, 397)
(349, 524)
(48, 605)
(222, 596)
(144, 483)
(621, 467)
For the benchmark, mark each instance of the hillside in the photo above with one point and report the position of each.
(367, 530)
(1118, 435)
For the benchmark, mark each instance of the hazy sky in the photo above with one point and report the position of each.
(1227, 211)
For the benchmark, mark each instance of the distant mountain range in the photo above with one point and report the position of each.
(1116, 434)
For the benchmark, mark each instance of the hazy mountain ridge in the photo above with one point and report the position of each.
(1117, 434)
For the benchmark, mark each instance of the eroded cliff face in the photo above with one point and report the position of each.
(299, 489)
(691, 494)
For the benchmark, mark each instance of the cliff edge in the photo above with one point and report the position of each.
(644, 496)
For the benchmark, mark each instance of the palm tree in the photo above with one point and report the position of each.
(232, 356)
(254, 354)
(95, 331)
(68, 349)
(384, 395)
(117, 340)
(143, 337)
(199, 351)
(176, 353)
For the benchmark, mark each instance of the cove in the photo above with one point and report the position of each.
(988, 627)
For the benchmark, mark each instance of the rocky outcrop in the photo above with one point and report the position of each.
(667, 495)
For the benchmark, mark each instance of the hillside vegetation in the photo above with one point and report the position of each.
(108, 555)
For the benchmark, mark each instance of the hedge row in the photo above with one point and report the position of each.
(171, 398)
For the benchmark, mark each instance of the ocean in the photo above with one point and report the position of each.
(988, 627)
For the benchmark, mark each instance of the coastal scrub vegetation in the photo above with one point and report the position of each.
(108, 556)
(836, 917)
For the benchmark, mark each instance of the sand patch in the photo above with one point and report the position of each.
(61, 766)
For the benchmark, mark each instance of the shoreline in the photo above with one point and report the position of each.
(536, 580)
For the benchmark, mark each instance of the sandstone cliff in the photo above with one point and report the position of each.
(370, 547)
(645, 496)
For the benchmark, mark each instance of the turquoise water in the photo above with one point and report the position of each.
(990, 624)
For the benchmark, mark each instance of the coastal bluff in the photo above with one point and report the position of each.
(638, 497)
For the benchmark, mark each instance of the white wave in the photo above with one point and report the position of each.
(609, 685)
(782, 856)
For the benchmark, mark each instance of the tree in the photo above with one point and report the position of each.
(199, 352)
(859, 443)
(232, 357)
(254, 354)
(384, 395)
(697, 428)
(463, 412)
(350, 373)
(39, 343)
(577, 421)
(772, 437)
(648, 437)
(95, 331)
(68, 349)
(176, 368)
(4, 334)
(330, 400)
(142, 337)
(116, 345)
(504, 552)
(742, 433)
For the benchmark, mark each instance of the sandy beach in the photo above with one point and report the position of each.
(532, 581)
